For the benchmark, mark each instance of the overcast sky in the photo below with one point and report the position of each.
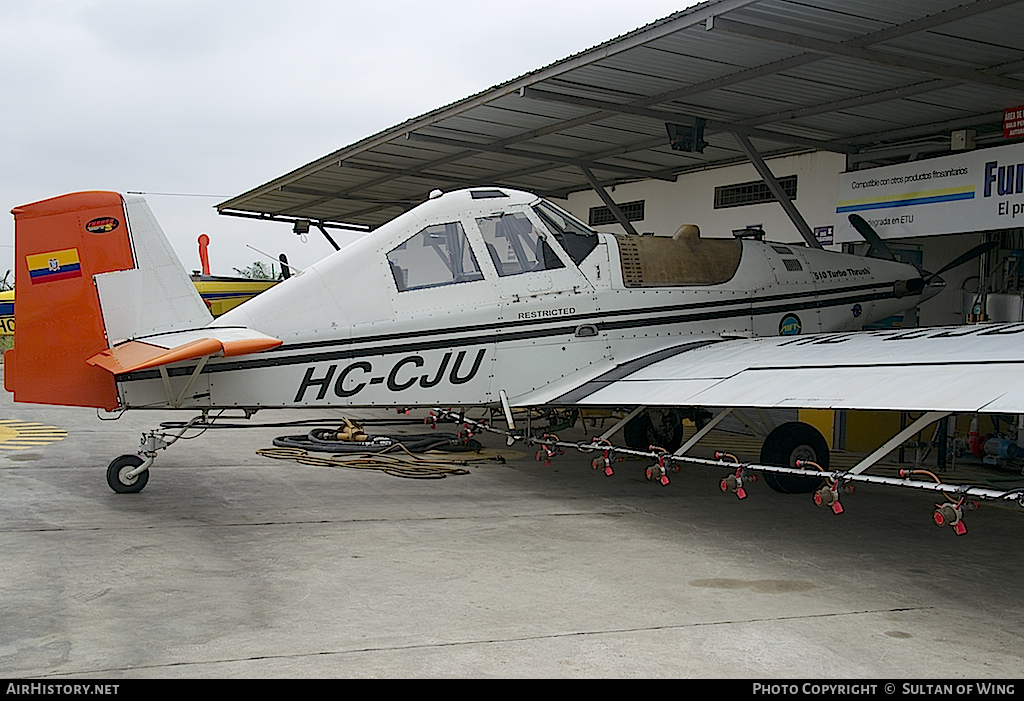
(210, 98)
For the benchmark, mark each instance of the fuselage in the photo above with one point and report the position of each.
(481, 291)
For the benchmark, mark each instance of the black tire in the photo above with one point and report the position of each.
(784, 446)
(115, 475)
(660, 427)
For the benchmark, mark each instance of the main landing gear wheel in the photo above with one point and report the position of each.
(120, 467)
(784, 446)
(660, 427)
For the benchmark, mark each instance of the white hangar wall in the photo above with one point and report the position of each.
(691, 199)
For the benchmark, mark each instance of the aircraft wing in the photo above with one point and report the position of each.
(163, 349)
(955, 369)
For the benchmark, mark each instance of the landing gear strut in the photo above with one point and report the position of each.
(128, 474)
(784, 446)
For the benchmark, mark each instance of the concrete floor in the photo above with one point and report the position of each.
(230, 564)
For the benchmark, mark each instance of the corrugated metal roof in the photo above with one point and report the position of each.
(862, 77)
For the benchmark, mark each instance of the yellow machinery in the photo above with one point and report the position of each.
(224, 293)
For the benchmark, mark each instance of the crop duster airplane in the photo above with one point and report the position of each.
(488, 296)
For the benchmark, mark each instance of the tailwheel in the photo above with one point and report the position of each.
(784, 446)
(659, 427)
(117, 475)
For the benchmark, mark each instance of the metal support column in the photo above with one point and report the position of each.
(776, 189)
(328, 237)
(608, 201)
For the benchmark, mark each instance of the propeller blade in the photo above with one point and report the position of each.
(872, 237)
(961, 259)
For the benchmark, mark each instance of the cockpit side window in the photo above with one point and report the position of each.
(516, 245)
(438, 255)
(577, 240)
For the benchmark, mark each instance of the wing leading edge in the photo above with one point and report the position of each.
(955, 369)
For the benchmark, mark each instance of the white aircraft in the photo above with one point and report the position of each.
(489, 296)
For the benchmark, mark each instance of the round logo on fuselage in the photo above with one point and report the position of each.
(790, 325)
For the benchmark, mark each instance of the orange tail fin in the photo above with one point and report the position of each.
(71, 301)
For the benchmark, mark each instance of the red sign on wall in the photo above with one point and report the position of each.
(1013, 122)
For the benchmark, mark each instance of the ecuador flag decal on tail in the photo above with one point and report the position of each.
(55, 265)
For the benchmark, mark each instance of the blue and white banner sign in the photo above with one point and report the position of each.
(971, 191)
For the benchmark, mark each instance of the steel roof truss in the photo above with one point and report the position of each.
(532, 155)
(686, 120)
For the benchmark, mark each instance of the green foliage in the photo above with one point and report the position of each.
(258, 271)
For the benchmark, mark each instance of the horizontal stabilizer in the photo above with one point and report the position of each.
(168, 348)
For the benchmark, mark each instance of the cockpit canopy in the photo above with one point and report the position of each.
(461, 235)
(516, 243)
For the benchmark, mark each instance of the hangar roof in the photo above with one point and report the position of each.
(878, 80)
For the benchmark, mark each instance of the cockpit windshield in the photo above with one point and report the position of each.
(516, 245)
(575, 237)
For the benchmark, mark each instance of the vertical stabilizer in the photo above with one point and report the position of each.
(156, 295)
(63, 247)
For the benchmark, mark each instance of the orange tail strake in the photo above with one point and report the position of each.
(59, 244)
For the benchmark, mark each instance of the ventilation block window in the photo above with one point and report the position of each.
(751, 193)
(633, 211)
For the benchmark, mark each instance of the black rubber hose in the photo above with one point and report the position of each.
(419, 443)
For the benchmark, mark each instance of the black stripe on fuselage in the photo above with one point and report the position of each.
(706, 311)
(588, 317)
